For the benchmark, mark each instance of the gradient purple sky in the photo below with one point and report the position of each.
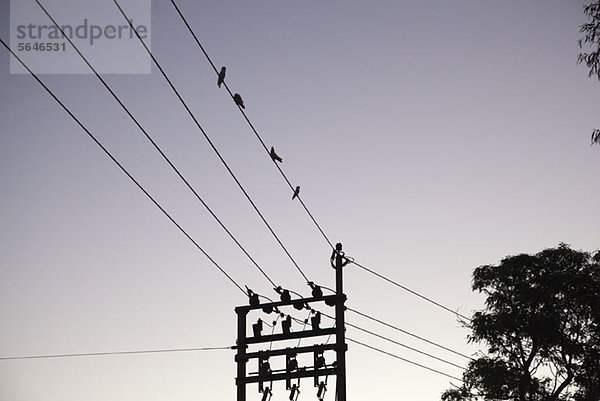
(428, 137)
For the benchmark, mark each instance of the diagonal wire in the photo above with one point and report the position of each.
(381, 276)
(123, 169)
(139, 186)
(228, 169)
(304, 327)
(164, 156)
(408, 333)
(164, 74)
(197, 40)
(273, 330)
(403, 359)
(152, 351)
(250, 124)
(397, 343)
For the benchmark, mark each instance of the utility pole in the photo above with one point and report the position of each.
(321, 368)
(340, 324)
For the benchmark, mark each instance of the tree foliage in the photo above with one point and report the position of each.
(591, 40)
(541, 326)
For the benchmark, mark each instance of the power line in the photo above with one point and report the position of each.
(381, 276)
(191, 31)
(397, 342)
(303, 322)
(181, 15)
(236, 181)
(162, 71)
(408, 333)
(152, 351)
(164, 156)
(402, 359)
(123, 169)
(250, 124)
(183, 178)
(183, 231)
(281, 171)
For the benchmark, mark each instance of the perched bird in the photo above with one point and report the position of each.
(275, 156)
(296, 192)
(596, 136)
(238, 100)
(221, 76)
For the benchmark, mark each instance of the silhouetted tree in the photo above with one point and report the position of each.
(591, 38)
(541, 326)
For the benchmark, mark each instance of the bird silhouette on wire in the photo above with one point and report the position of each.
(221, 76)
(238, 100)
(274, 156)
(296, 192)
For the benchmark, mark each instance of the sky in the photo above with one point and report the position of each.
(428, 137)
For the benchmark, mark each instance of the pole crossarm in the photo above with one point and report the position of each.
(285, 376)
(291, 336)
(328, 299)
(286, 351)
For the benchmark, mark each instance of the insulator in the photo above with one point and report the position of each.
(285, 296)
(265, 368)
(266, 394)
(291, 363)
(317, 292)
(330, 301)
(294, 392)
(315, 321)
(257, 328)
(253, 297)
(298, 304)
(286, 325)
(322, 391)
(319, 361)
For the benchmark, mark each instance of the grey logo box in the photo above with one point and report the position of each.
(97, 28)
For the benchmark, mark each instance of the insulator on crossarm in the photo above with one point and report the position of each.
(317, 292)
(331, 301)
(298, 304)
(322, 390)
(319, 360)
(315, 321)
(291, 363)
(284, 294)
(286, 325)
(264, 367)
(294, 392)
(264, 370)
(257, 328)
(252, 297)
(267, 394)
